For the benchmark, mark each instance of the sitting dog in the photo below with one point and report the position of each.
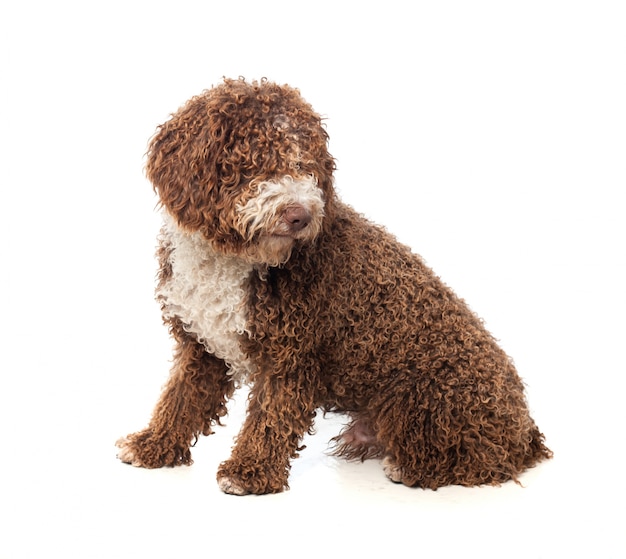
(267, 278)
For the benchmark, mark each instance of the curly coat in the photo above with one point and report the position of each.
(338, 315)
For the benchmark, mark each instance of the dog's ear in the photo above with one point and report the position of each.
(181, 163)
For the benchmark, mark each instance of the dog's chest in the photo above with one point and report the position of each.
(206, 291)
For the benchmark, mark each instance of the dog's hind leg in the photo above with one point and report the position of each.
(193, 400)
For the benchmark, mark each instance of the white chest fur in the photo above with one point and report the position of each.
(206, 291)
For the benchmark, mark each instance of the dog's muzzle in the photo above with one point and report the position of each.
(286, 207)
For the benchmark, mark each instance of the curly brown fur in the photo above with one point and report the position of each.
(329, 312)
(444, 400)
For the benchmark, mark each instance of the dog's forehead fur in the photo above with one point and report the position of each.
(225, 141)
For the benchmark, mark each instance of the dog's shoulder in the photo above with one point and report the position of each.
(355, 248)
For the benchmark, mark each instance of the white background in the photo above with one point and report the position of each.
(489, 136)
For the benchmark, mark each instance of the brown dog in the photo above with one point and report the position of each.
(267, 278)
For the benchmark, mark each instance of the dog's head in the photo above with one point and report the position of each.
(247, 165)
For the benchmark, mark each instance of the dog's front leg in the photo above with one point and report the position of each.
(193, 399)
(280, 412)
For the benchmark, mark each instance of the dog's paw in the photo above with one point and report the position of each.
(242, 479)
(392, 470)
(231, 487)
(149, 450)
(126, 452)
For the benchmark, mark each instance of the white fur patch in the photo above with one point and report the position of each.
(206, 291)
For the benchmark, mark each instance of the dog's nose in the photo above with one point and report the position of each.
(297, 217)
